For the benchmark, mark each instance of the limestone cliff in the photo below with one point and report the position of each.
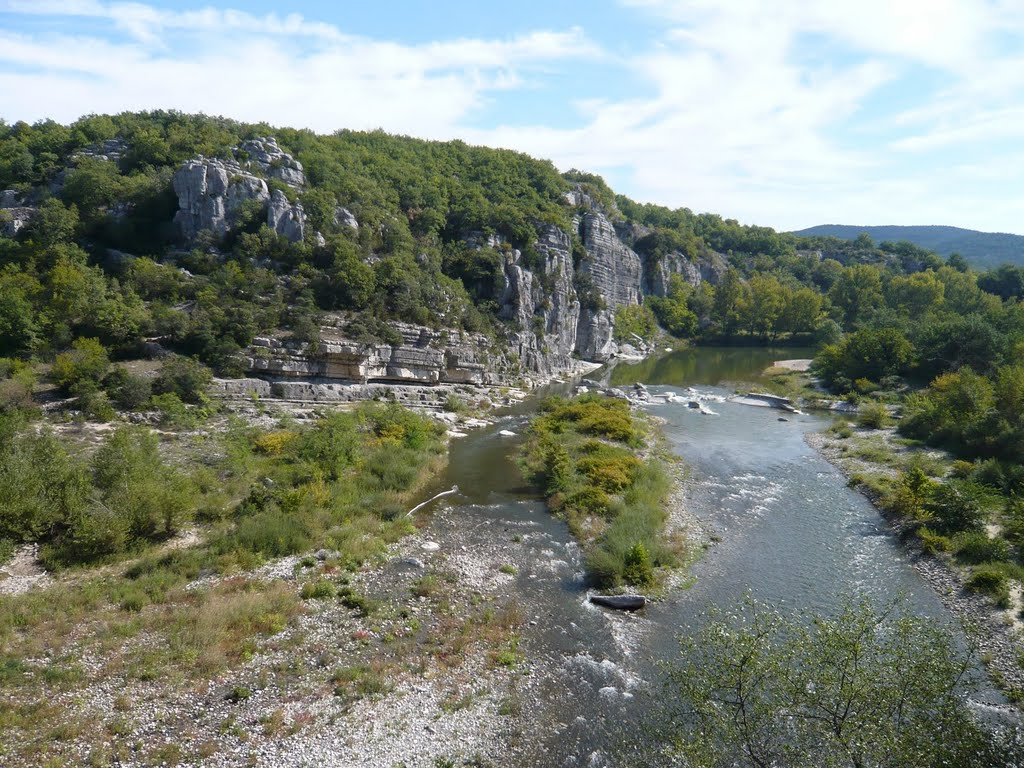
(546, 324)
(213, 193)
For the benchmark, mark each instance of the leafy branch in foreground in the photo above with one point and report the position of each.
(867, 688)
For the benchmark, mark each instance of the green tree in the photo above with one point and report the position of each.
(916, 294)
(182, 376)
(82, 368)
(867, 688)
(728, 297)
(857, 294)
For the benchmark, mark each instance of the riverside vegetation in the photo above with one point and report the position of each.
(155, 531)
(582, 454)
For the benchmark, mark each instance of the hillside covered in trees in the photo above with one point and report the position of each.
(150, 260)
(983, 250)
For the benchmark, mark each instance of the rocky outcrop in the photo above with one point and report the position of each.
(111, 150)
(543, 306)
(426, 356)
(272, 161)
(615, 274)
(708, 267)
(286, 219)
(13, 220)
(212, 193)
(343, 217)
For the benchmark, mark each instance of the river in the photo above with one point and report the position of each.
(787, 527)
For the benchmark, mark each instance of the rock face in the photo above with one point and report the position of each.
(615, 274)
(556, 309)
(213, 193)
(111, 150)
(544, 307)
(708, 267)
(274, 162)
(425, 357)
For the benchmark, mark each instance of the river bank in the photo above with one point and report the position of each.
(995, 632)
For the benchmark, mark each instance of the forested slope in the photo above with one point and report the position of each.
(983, 250)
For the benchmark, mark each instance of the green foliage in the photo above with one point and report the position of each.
(978, 547)
(128, 390)
(873, 415)
(871, 354)
(612, 500)
(637, 568)
(992, 581)
(633, 321)
(590, 414)
(956, 506)
(182, 376)
(867, 687)
(82, 368)
(317, 590)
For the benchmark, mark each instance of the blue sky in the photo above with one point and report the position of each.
(785, 113)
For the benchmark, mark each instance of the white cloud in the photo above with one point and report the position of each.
(284, 70)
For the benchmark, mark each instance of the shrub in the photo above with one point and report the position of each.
(95, 405)
(389, 469)
(81, 368)
(956, 506)
(128, 390)
(317, 590)
(590, 501)
(238, 693)
(173, 412)
(182, 376)
(17, 380)
(276, 442)
(604, 569)
(977, 547)
(268, 533)
(455, 404)
(873, 415)
(992, 581)
(637, 568)
(933, 543)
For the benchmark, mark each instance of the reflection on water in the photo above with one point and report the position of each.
(706, 365)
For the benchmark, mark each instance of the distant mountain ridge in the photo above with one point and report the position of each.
(982, 249)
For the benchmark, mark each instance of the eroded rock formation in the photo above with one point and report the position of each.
(213, 193)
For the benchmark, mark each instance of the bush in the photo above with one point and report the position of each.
(128, 390)
(173, 412)
(604, 570)
(977, 547)
(992, 581)
(270, 533)
(873, 416)
(276, 442)
(956, 506)
(637, 568)
(317, 590)
(182, 376)
(932, 542)
(82, 367)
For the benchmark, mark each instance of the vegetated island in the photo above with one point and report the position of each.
(594, 460)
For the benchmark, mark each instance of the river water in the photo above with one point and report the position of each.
(788, 531)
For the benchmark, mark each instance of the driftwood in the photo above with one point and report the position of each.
(411, 512)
